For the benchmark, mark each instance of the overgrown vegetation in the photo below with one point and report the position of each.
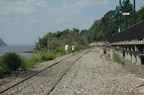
(3, 68)
(40, 57)
(105, 27)
(8, 62)
(50, 47)
(51, 40)
(12, 61)
(101, 30)
(116, 58)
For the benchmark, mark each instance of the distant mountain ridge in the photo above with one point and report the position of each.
(2, 43)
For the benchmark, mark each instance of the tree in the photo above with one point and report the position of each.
(140, 14)
(52, 41)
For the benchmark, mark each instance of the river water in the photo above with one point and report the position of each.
(17, 49)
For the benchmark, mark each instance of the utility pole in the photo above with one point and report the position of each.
(117, 19)
(134, 18)
(120, 12)
(126, 3)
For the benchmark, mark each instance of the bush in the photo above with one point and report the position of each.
(45, 56)
(29, 62)
(78, 48)
(3, 69)
(118, 59)
(40, 57)
(12, 60)
(59, 52)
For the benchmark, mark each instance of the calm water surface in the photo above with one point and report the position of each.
(17, 49)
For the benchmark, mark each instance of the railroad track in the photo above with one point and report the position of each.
(44, 81)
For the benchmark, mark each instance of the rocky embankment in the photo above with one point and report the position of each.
(31, 51)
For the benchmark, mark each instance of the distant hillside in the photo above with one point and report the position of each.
(105, 27)
(2, 43)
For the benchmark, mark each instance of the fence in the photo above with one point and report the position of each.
(134, 32)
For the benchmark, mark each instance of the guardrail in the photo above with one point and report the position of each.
(134, 32)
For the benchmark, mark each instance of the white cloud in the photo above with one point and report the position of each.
(85, 25)
(64, 19)
(78, 5)
(20, 7)
(84, 3)
(41, 3)
(61, 6)
(32, 21)
(92, 18)
(24, 20)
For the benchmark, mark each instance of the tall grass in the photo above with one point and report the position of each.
(78, 48)
(41, 57)
(46, 55)
(28, 62)
(116, 58)
(12, 61)
(59, 52)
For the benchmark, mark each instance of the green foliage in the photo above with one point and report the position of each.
(78, 48)
(118, 59)
(41, 57)
(107, 56)
(59, 52)
(45, 56)
(9, 61)
(52, 41)
(29, 62)
(140, 14)
(102, 29)
(12, 60)
(3, 68)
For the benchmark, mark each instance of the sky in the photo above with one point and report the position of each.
(23, 22)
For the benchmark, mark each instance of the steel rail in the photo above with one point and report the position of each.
(35, 74)
(56, 83)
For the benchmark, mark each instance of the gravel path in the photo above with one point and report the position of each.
(90, 75)
(42, 82)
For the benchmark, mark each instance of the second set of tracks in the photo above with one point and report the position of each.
(44, 81)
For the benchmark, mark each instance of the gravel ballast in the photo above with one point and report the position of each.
(90, 75)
